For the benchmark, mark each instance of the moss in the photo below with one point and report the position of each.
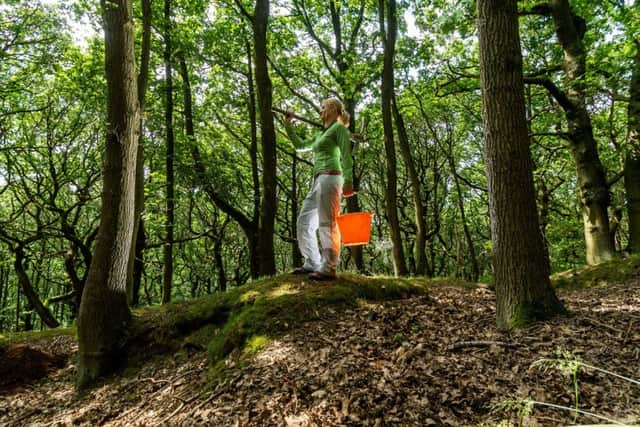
(617, 270)
(273, 306)
(199, 339)
(25, 337)
(255, 345)
(525, 314)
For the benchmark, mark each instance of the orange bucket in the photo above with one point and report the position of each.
(355, 228)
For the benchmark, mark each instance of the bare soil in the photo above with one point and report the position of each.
(436, 360)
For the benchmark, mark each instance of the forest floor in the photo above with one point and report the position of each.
(428, 360)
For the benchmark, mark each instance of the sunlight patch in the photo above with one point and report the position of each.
(276, 352)
(609, 306)
(285, 289)
(248, 296)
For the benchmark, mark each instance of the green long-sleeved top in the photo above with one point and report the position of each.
(331, 149)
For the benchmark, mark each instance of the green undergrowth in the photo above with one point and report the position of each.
(30, 336)
(614, 271)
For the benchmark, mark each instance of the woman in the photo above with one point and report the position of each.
(333, 176)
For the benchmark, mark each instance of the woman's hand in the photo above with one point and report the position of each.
(347, 189)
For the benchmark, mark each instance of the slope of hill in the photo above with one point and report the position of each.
(364, 351)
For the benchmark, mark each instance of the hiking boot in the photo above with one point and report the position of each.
(301, 270)
(321, 277)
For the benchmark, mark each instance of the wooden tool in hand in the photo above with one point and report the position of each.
(297, 117)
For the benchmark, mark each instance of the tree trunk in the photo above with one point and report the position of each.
(135, 265)
(523, 288)
(353, 205)
(17, 328)
(268, 206)
(296, 256)
(4, 291)
(32, 296)
(138, 262)
(389, 42)
(421, 267)
(594, 191)
(219, 259)
(544, 202)
(255, 169)
(167, 276)
(632, 159)
(104, 312)
(76, 282)
(475, 269)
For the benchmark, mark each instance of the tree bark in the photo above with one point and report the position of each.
(136, 264)
(632, 158)
(167, 276)
(592, 182)
(268, 206)
(523, 288)
(255, 174)
(104, 312)
(389, 43)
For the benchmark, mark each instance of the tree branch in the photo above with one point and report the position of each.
(61, 298)
(542, 9)
(554, 90)
(614, 179)
(244, 11)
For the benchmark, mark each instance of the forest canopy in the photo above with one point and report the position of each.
(582, 97)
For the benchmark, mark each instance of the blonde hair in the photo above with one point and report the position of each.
(335, 103)
(344, 118)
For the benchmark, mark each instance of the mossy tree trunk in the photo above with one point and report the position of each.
(135, 266)
(104, 313)
(523, 288)
(632, 159)
(592, 182)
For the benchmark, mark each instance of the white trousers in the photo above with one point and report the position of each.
(318, 214)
